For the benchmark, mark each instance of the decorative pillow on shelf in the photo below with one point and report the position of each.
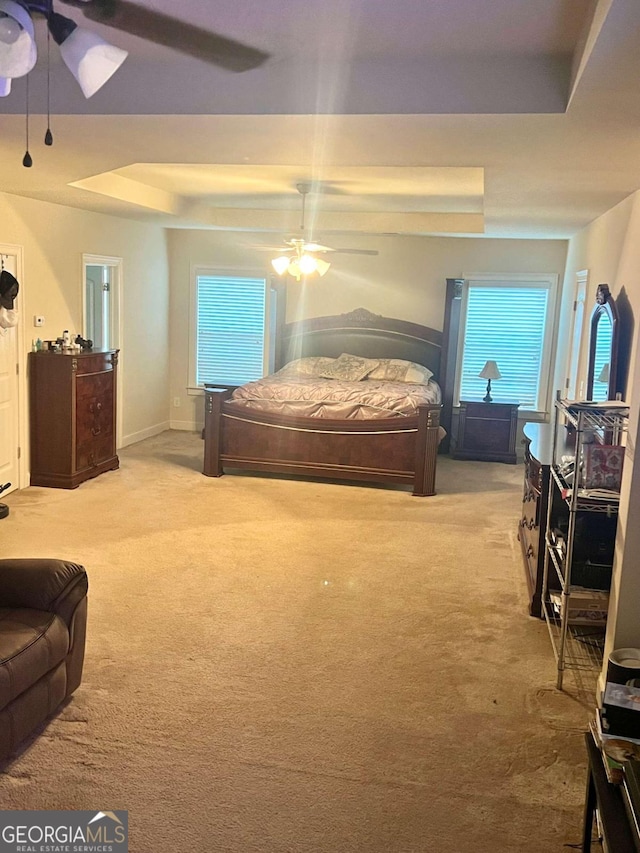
(308, 366)
(350, 368)
(398, 370)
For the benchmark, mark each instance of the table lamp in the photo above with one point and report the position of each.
(489, 371)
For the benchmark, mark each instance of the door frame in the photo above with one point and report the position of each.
(23, 420)
(575, 381)
(115, 321)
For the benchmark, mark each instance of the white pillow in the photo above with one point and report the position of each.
(309, 366)
(398, 370)
(350, 368)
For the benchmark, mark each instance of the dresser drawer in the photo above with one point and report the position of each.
(90, 454)
(94, 406)
(99, 362)
(94, 385)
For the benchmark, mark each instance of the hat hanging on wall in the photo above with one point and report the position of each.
(9, 288)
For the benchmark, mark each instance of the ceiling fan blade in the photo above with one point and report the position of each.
(171, 32)
(356, 251)
(317, 247)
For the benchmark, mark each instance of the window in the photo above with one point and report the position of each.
(230, 335)
(508, 319)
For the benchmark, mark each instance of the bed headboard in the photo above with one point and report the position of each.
(361, 333)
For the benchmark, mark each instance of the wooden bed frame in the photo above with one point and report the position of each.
(390, 450)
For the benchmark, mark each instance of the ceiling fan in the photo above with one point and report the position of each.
(299, 258)
(166, 30)
(90, 59)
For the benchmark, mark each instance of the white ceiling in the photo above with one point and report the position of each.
(517, 118)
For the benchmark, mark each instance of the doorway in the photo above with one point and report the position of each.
(102, 299)
(12, 385)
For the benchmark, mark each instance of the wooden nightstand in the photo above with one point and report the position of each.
(487, 431)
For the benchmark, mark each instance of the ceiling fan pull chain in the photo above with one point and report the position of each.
(48, 137)
(27, 161)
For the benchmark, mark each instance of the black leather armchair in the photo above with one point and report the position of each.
(43, 617)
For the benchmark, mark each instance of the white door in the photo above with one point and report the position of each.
(9, 400)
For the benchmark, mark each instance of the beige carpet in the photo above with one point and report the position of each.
(279, 665)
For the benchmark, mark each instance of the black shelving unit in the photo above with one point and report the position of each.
(580, 537)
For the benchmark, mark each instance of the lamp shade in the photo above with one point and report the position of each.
(90, 59)
(603, 376)
(18, 51)
(490, 371)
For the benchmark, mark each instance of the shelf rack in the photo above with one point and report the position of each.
(576, 646)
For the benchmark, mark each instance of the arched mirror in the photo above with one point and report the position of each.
(603, 348)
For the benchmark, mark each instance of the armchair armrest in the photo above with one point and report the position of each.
(56, 586)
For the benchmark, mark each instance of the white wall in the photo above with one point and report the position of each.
(610, 249)
(406, 280)
(54, 238)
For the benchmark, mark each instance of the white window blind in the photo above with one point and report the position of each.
(509, 325)
(230, 329)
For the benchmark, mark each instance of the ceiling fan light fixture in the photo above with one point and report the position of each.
(322, 266)
(307, 264)
(300, 265)
(294, 269)
(90, 59)
(281, 264)
(18, 51)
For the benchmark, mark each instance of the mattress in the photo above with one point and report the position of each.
(337, 399)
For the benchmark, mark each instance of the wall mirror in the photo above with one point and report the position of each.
(603, 347)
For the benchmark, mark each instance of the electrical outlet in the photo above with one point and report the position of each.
(176, 402)
(38, 320)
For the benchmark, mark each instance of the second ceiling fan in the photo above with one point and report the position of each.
(299, 256)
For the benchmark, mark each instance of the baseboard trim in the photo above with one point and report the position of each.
(187, 426)
(149, 432)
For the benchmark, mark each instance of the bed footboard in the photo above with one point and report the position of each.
(393, 450)
(427, 440)
(213, 401)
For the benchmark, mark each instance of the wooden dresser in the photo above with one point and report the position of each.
(72, 398)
